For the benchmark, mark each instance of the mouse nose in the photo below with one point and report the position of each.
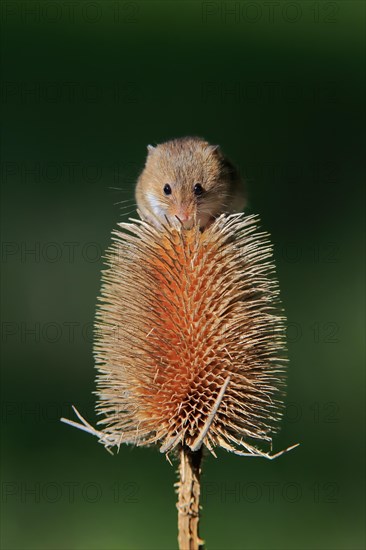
(183, 216)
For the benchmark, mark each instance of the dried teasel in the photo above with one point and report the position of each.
(189, 346)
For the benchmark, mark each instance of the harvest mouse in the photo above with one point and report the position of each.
(188, 178)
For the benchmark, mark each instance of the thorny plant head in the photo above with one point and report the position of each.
(190, 338)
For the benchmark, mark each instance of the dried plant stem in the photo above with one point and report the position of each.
(189, 489)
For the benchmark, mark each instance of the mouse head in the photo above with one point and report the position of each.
(185, 179)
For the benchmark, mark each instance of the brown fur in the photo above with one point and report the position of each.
(182, 163)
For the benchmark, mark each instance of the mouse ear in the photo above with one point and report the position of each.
(150, 149)
(215, 149)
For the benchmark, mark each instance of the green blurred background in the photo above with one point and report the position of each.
(86, 86)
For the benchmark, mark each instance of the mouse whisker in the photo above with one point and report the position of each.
(126, 204)
(128, 213)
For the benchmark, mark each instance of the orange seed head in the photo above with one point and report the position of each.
(190, 337)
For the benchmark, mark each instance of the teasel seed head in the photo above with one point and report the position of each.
(190, 337)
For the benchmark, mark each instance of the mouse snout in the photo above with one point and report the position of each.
(186, 221)
(184, 216)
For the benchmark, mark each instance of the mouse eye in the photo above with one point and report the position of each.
(198, 189)
(167, 189)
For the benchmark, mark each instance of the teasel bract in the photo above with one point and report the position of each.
(190, 346)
